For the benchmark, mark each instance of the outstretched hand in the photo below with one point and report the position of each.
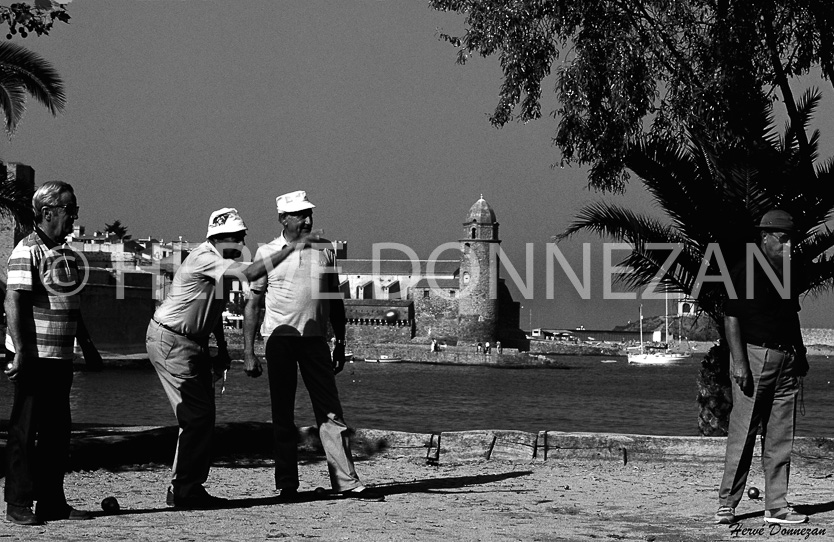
(309, 238)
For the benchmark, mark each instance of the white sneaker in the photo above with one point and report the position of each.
(786, 514)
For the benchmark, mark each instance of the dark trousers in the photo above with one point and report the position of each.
(773, 405)
(37, 450)
(312, 356)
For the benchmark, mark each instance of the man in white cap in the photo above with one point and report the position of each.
(767, 358)
(301, 296)
(177, 342)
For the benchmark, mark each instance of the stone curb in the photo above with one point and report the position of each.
(113, 447)
(552, 445)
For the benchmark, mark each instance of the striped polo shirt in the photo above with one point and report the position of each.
(51, 278)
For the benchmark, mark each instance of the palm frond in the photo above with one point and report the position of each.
(22, 68)
(12, 102)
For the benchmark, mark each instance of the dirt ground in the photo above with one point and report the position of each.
(576, 499)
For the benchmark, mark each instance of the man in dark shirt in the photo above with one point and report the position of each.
(767, 358)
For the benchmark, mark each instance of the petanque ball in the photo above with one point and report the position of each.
(110, 505)
(753, 493)
(320, 491)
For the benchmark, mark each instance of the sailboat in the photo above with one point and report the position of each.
(651, 355)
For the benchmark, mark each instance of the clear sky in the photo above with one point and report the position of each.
(178, 108)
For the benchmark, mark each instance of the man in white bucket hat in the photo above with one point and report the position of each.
(301, 297)
(177, 343)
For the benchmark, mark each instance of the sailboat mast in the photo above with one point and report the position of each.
(641, 328)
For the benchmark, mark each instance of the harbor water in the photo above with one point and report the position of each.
(590, 394)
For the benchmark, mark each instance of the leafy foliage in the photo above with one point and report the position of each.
(117, 229)
(15, 199)
(712, 199)
(670, 64)
(23, 72)
(23, 19)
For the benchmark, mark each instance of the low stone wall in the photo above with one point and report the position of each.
(577, 349)
(458, 446)
(818, 336)
(453, 355)
(96, 447)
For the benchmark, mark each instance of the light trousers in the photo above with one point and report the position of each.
(773, 405)
(184, 368)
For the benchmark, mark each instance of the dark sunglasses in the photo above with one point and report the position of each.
(781, 237)
(301, 215)
(70, 208)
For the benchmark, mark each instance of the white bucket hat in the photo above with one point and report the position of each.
(226, 220)
(293, 202)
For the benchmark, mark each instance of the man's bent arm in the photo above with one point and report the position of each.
(261, 266)
(251, 314)
(739, 365)
(15, 300)
(16, 303)
(92, 357)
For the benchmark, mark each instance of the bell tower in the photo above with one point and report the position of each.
(478, 300)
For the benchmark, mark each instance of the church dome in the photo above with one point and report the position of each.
(481, 213)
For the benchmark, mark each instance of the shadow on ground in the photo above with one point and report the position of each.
(240, 444)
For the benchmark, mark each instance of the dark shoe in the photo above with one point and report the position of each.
(62, 512)
(725, 515)
(199, 499)
(364, 493)
(22, 515)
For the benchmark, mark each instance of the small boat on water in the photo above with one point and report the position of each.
(655, 355)
(383, 359)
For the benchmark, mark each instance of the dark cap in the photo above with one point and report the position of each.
(777, 220)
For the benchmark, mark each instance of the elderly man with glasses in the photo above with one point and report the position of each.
(44, 319)
(768, 359)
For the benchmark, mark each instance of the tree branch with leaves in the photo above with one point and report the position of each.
(627, 69)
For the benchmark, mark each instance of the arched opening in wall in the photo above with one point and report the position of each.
(473, 233)
(344, 288)
(393, 290)
(365, 291)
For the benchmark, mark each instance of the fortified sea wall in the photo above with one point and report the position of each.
(818, 336)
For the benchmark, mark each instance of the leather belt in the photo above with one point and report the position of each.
(786, 348)
(181, 334)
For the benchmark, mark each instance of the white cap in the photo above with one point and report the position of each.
(226, 220)
(293, 202)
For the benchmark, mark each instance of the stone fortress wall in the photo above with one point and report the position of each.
(818, 336)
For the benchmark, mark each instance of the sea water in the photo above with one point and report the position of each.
(589, 394)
